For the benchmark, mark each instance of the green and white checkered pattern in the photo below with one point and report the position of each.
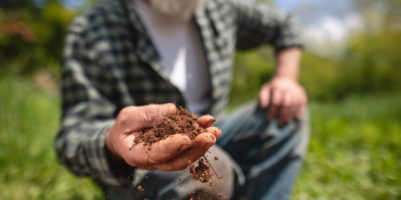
(110, 62)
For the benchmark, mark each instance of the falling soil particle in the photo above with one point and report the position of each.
(201, 172)
(182, 122)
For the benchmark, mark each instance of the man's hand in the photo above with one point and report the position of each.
(173, 153)
(285, 99)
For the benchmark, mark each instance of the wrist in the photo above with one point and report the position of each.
(111, 153)
(288, 63)
(292, 77)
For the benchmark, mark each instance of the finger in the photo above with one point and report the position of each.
(153, 113)
(288, 109)
(201, 144)
(288, 115)
(135, 118)
(294, 111)
(206, 120)
(215, 131)
(302, 105)
(264, 96)
(144, 155)
(294, 108)
(300, 111)
(296, 105)
(168, 148)
(275, 104)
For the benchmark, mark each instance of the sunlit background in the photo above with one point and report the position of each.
(351, 70)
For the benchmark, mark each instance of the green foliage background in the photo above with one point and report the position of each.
(355, 106)
(370, 64)
(38, 41)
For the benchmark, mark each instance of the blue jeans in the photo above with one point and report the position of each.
(269, 156)
(258, 160)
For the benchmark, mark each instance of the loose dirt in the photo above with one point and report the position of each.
(182, 122)
(140, 188)
(202, 171)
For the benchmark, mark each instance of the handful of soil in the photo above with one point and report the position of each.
(182, 122)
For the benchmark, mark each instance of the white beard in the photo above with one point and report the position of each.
(182, 9)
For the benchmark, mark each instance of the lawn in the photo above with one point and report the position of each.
(355, 150)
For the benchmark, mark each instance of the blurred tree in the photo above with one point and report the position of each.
(369, 64)
(372, 56)
(31, 35)
(16, 4)
(381, 15)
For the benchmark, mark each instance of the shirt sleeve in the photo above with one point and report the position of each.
(261, 24)
(87, 114)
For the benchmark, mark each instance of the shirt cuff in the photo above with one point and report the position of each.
(289, 43)
(290, 36)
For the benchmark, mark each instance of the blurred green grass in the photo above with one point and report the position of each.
(354, 151)
(28, 165)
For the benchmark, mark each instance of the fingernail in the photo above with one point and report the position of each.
(211, 121)
(212, 138)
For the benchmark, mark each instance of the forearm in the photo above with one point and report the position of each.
(288, 63)
(284, 97)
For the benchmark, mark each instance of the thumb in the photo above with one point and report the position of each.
(150, 114)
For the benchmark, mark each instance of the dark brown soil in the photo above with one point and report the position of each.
(202, 171)
(182, 122)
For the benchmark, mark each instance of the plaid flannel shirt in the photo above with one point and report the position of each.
(110, 62)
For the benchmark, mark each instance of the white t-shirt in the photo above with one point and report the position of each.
(178, 42)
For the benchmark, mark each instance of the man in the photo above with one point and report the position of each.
(126, 61)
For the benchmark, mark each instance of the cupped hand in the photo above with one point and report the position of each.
(172, 153)
(284, 98)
